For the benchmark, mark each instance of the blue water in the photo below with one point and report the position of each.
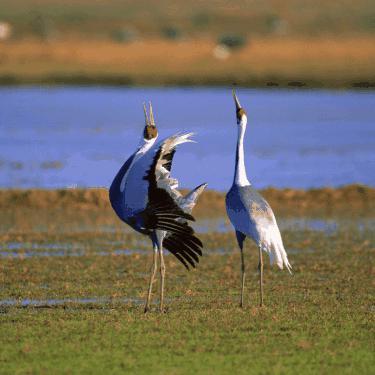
(51, 302)
(67, 137)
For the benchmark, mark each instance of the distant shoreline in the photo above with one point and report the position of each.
(127, 81)
(321, 62)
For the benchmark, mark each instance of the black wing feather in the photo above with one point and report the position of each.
(171, 246)
(181, 259)
(163, 213)
(184, 246)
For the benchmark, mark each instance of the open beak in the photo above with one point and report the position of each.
(147, 121)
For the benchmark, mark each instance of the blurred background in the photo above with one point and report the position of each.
(305, 72)
(263, 43)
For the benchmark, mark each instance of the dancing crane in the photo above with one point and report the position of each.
(145, 196)
(250, 214)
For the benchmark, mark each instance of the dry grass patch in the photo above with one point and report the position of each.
(313, 61)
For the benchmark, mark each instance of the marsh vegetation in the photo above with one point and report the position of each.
(73, 283)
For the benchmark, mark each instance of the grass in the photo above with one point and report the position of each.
(321, 319)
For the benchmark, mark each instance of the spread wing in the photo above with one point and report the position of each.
(163, 211)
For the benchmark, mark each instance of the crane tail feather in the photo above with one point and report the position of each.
(273, 245)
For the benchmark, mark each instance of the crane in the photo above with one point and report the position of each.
(250, 214)
(144, 195)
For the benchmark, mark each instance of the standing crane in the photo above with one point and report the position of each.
(250, 214)
(145, 196)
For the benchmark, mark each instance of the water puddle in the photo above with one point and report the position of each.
(37, 246)
(39, 254)
(24, 254)
(24, 250)
(316, 225)
(54, 302)
(222, 251)
(329, 227)
(220, 225)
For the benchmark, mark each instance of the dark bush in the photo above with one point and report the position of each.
(171, 33)
(232, 41)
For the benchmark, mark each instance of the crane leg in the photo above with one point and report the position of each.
(240, 239)
(243, 276)
(159, 236)
(152, 277)
(261, 275)
(162, 278)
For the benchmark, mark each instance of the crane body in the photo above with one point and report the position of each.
(250, 214)
(144, 195)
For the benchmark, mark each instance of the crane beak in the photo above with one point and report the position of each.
(147, 121)
(152, 120)
(240, 112)
(236, 101)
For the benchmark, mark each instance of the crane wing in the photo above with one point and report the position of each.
(163, 211)
(186, 249)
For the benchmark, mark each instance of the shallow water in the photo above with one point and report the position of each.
(66, 301)
(30, 254)
(24, 250)
(327, 226)
(60, 137)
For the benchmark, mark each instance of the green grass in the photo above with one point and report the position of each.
(320, 320)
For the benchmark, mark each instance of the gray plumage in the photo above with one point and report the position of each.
(247, 202)
(250, 213)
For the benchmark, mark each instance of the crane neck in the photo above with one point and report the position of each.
(143, 147)
(145, 144)
(240, 177)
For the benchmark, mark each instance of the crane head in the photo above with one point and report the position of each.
(150, 131)
(240, 112)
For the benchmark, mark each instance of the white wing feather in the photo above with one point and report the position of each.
(163, 175)
(135, 186)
